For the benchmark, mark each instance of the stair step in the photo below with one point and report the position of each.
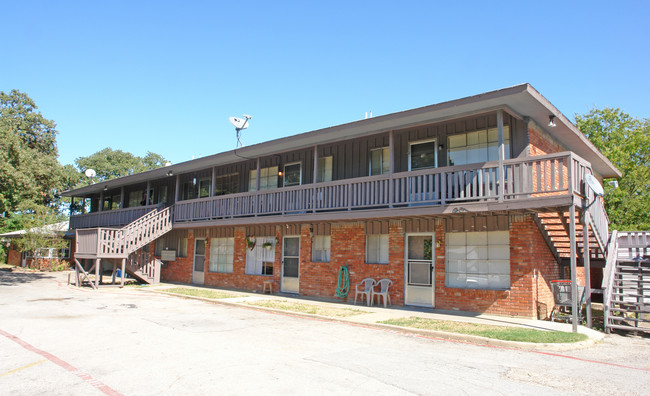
(631, 295)
(628, 328)
(641, 311)
(624, 319)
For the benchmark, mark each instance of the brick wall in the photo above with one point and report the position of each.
(13, 256)
(532, 267)
(541, 143)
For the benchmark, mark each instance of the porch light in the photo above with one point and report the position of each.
(280, 173)
(170, 173)
(551, 121)
(105, 188)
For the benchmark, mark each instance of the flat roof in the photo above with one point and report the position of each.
(520, 100)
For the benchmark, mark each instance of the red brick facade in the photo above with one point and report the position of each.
(541, 143)
(532, 267)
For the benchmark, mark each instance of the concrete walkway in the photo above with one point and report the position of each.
(377, 314)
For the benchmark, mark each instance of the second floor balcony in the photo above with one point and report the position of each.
(519, 184)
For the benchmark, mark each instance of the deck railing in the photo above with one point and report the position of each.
(554, 174)
(109, 218)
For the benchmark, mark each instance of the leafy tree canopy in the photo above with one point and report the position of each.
(29, 170)
(111, 164)
(625, 140)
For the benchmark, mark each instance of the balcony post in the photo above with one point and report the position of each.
(257, 182)
(101, 200)
(391, 169)
(148, 196)
(122, 197)
(214, 181)
(574, 284)
(586, 259)
(178, 188)
(502, 178)
(313, 195)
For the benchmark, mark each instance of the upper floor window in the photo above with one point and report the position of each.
(379, 161)
(268, 178)
(196, 188)
(325, 169)
(422, 155)
(292, 175)
(227, 184)
(477, 146)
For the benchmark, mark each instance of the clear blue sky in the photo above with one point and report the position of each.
(164, 76)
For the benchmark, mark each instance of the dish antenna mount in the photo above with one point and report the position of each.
(240, 124)
(597, 188)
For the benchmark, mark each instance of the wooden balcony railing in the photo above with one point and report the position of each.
(109, 218)
(554, 174)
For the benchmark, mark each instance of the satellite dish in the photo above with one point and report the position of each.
(90, 173)
(594, 184)
(239, 123)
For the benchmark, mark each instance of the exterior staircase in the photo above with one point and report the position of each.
(125, 244)
(627, 283)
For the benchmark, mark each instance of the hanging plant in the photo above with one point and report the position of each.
(250, 242)
(267, 245)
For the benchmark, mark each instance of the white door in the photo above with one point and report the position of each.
(290, 265)
(419, 270)
(199, 261)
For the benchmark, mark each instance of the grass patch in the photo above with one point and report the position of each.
(489, 331)
(4, 266)
(205, 293)
(308, 308)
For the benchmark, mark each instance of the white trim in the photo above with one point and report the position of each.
(435, 151)
(284, 173)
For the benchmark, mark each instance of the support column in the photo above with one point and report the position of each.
(257, 182)
(313, 195)
(391, 168)
(148, 199)
(122, 197)
(178, 188)
(502, 177)
(101, 201)
(122, 272)
(586, 260)
(574, 284)
(214, 181)
(98, 264)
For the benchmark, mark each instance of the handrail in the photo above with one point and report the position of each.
(524, 178)
(608, 276)
(107, 218)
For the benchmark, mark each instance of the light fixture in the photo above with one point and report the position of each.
(280, 173)
(105, 188)
(170, 173)
(551, 121)
(441, 147)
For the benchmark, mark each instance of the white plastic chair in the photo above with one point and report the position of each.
(367, 285)
(383, 284)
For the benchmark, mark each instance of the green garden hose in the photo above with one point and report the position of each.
(343, 285)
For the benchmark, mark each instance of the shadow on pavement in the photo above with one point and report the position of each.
(15, 278)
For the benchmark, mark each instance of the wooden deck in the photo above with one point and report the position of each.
(534, 182)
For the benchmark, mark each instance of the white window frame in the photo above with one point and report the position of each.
(381, 250)
(325, 166)
(256, 258)
(507, 140)
(284, 174)
(252, 181)
(222, 254)
(489, 261)
(435, 152)
(384, 161)
(324, 248)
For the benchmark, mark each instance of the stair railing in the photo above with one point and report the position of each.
(608, 277)
(145, 266)
(146, 229)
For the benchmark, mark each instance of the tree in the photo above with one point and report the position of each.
(29, 170)
(111, 164)
(625, 140)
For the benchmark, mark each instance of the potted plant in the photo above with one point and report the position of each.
(267, 245)
(250, 242)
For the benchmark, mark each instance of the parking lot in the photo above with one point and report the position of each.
(57, 339)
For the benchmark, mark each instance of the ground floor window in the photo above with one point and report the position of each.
(222, 251)
(478, 260)
(377, 249)
(260, 259)
(321, 248)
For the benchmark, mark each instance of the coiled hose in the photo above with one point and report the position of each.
(343, 284)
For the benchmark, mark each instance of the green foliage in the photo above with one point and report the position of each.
(35, 221)
(625, 140)
(29, 171)
(111, 164)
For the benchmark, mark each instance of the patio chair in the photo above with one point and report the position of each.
(562, 296)
(366, 289)
(383, 284)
